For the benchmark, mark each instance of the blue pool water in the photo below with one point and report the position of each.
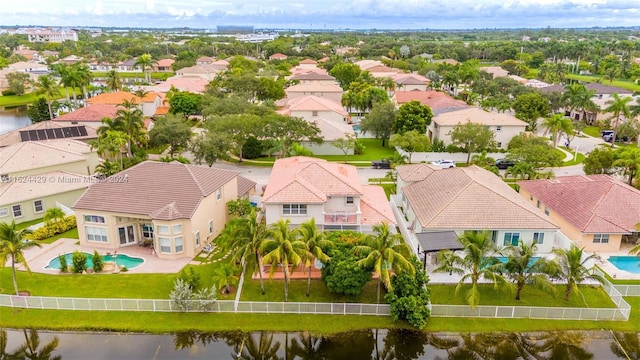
(121, 260)
(504, 259)
(356, 127)
(626, 263)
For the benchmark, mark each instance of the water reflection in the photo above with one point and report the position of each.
(13, 118)
(355, 345)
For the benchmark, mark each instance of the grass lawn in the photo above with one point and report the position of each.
(157, 150)
(17, 100)
(274, 291)
(579, 159)
(621, 83)
(69, 234)
(137, 75)
(26, 224)
(594, 297)
(373, 150)
(592, 131)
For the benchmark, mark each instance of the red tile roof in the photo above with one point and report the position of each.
(94, 113)
(113, 98)
(591, 203)
(434, 99)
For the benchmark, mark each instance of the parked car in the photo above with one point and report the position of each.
(445, 164)
(606, 135)
(381, 164)
(504, 163)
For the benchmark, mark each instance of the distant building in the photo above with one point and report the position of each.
(234, 29)
(51, 35)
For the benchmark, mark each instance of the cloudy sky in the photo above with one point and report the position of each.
(318, 14)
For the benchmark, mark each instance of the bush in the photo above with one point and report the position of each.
(358, 147)
(252, 149)
(97, 261)
(191, 278)
(8, 93)
(79, 261)
(409, 299)
(64, 267)
(53, 228)
(454, 149)
(342, 275)
(183, 298)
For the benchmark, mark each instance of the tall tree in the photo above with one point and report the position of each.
(145, 61)
(411, 142)
(289, 130)
(472, 137)
(618, 106)
(12, 246)
(557, 124)
(379, 121)
(529, 107)
(345, 73)
(48, 87)
(316, 243)
(185, 103)
(238, 129)
(171, 130)
(570, 266)
(385, 251)
(412, 116)
(132, 121)
(522, 268)
(599, 161)
(114, 83)
(346, 143)
(17, 82)
(629, 160)
(283, 247)
(84, 78)
(577, 97)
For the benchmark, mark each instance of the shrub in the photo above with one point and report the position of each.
(191, 277)
(97, 261)
(124, 269)
(409, 299)
(252, 149)
(358, 147)
(454, 149)
(183, 298)
(79, 261)
(64, 267)
(342, 275)
(53, 228)
(8, 93)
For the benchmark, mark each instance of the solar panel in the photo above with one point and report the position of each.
(58, 133)
(50, 134)
(83, 130)
(42, 135)
(33, 135)
(67, 132)
(74, 131)
(24, 136)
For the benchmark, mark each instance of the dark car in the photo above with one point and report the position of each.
(504, 163)
(381, 164)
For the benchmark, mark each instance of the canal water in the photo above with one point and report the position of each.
(13, 118)
(355, 345)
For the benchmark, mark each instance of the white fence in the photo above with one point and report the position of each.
(530, 312)
(313, 308)
(628, 290)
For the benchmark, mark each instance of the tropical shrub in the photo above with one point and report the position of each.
(183, 298)
(409, 298)
(64, 267)
(342, 274)
(79, 262)
(98, 264)
(190, 277)
(53, 228)
(252, 149)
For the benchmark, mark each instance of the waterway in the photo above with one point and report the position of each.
(13, 118)
(355, 345)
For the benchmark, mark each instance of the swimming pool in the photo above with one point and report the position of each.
(121, 259)
(504, 259)
(626, 263)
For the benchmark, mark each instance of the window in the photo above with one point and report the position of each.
(349, 200)
(178, 244)
(498, 128)
(314, 113)
(96, 234)
(196, 238)
(600, 238)
(210, 227)
(17, 211)
(511, 239)
(538, 238)
(94, 219)
(165, 245)
(4, 212)
(531, 197)
(147, 231)
(499, 144)
(546, 210)
(538, 205)
(176, 229)
(163, 229)
(38, 206)
(294, 209)
(218, 194)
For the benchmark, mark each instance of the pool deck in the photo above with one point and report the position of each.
(39, 258)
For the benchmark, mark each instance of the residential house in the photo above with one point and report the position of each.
(596, 212)
(223, 65)
(4, 83)
(30, 55)
(90, 116)
(408, 82)
(129, 66)
(102, 66)
(28, 198)
(366, 64)
(495, 71)
(189, 84)
(384, 71)
(297, 70)
(319, 89)
(313, 77)
(32, 158)
(29, 67)
(603, 93)
(308, 64)
(48, 130)
(163, 65)
(148, 104)
(504, 126)
(205, 60)
(441, 204)
(42, 56)
(302, 188)
(175, 207)
(69, 60)
(438, 101)
(206, 71)
(278, 56)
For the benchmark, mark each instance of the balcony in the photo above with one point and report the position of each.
(341, 218)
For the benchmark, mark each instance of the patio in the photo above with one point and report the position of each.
(39, 258)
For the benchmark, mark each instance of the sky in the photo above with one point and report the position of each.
(329, 14)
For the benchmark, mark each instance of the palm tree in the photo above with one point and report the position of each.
(522, 269)
(110, 124)
(626, 345)
(569, 266)
(145, 61)
(577, 97)
(226, 275)
(629, 159)
(48, 87)
(618, 106)
(385, 251)
(60, 71)
(53, 215)
(316, 243)
(84, 76)
(71, 78)
(241, 239)
(636, 249)
(557, 124)
(114, 83)
(30, 348)
(132, 121)
(282, 247)
(108, 168)
(476, 264)
(12, 245)
(522, 171)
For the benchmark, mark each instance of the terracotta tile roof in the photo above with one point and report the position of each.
(162, 110)
(478, 116)
(38, 154)
(496, 71)
(114, 98)
(205, 59)
(13, 137)
(308, 62)
(301, 70)
(57, 182)
(415, 172)
(333, 130)
(324, 59)
(436, 100)
(375, 207)
(605, 89)
(366, 64)
(471, 198)
(315, 103)
(278, 56)
(591, 203)
(93, 113)
(312, 75)
(308, 180)
(162, 191)
(315, 87)
(165, 62)
(411, 79)
(190, 84)
(245, 186)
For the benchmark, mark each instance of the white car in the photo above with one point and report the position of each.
(445, 164)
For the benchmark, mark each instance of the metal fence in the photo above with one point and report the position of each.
(530, 312)
(313, 308)
(628, 290)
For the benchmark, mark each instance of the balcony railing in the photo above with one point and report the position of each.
(341, 218)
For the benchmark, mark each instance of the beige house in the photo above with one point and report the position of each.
(596, 212)
(443, 203)
(204, 71)
(302, 188)
(313, 77)
(408, 82)
(319, 89)
(28, 198)
(29, 67)
(30, 158)
(174, 207)
(90, 115)
(504, 126)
